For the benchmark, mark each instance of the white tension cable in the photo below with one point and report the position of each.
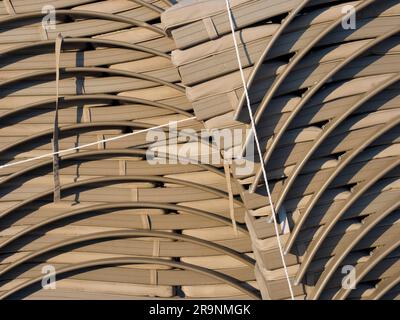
(52, 154)
(47, 155)
(253, 127)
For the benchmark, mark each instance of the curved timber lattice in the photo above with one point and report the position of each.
(325, 98)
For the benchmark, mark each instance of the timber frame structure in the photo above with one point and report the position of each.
(326, 106)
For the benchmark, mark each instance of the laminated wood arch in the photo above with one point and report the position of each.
(216, 275)
(362, 270)
(96, 97)
(358, 191)
(107, 42)
(76, 128)
(94, 70)
(308, 95)
(156, 85)
(68, 3)
(297, 58)
(84, 14)
(368, 224)
(326, 104)
(385, 286)
(314, 88)
(105, 152)
(85, 210)
(344, 161)
(115, 179)
(285, 23)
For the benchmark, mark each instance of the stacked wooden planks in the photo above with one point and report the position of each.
(125, 228)
(325, 99)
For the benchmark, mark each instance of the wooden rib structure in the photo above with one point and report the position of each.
(326, 105)
(124, 228)
(325, 100)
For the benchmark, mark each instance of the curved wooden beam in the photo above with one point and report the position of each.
(348, 243)
(85, 97)
(385, 286)
(133, 205)
(84, 14)
(113, 43)
(334, 218)
(343, 162)
(74, 128)
(115, 179)
(297, 58)
(307, 96)
(117, 72)
(128, 234)
(284, 24)
(362, 270)
(122, 261)
(82, 154)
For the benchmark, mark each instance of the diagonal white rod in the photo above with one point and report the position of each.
(94, 143)
(253, 128)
